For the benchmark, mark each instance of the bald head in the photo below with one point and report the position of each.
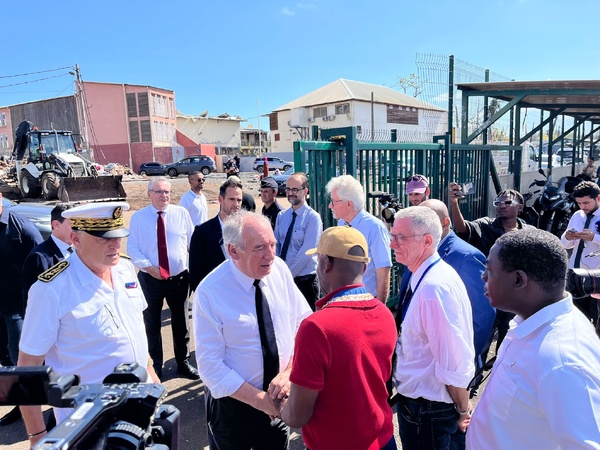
(441, 210)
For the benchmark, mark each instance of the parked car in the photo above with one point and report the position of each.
(273, 162)
(152, 168)
(38, 213)
(204, 164)
(281, 180)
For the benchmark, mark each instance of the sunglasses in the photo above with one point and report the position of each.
(505, 203)
(416, 178)
(201, 180)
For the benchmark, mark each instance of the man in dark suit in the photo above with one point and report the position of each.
(206, 247)
(54, 249)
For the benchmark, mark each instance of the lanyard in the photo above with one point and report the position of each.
(406, 301)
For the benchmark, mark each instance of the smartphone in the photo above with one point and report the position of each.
(572, 230)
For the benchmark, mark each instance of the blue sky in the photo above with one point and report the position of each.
(224, 56)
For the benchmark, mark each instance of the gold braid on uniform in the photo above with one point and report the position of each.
(53, 271)
(97, 224)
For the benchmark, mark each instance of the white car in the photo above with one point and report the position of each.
(273, 163)
(38, 213)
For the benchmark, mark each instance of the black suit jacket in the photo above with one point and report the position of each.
(40, 259)
(205, 250)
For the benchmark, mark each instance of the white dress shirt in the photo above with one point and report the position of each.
(228, 350)
(577, 221)
(196, 206)
(435, 348)
(62, 246)
(544, 390)
(142, 243)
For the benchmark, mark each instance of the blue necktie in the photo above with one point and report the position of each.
(288, 237)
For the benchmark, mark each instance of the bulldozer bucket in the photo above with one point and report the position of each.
(91, 188)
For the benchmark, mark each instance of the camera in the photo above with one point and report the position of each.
(583, 282)
(121, 413)
(389, 204)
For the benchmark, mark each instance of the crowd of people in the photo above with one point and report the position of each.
(272, 354)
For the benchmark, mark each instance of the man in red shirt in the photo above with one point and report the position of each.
(342, 355)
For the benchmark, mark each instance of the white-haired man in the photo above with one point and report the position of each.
(435, 354)
(246, 315)
(348, 206)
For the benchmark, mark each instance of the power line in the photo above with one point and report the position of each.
(34, 73)
(33, 81)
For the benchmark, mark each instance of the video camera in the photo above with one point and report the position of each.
(390, 204)
(583, 282)
(121, 413)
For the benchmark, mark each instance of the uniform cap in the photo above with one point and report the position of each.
(99, 219)
(268, 182)
(341, 242)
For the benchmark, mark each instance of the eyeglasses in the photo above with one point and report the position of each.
(505, 203)
(399, 238)
(333, 202)
(161, 192)
(293, 190)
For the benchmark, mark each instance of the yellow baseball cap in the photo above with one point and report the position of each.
(338, 242)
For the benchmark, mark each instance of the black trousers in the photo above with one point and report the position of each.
(175, 290)
(233, 425)
(309, 288)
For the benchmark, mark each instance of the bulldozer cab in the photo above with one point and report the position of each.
(42, 144)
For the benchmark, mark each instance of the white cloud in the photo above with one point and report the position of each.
(287, 11)
(306, 5)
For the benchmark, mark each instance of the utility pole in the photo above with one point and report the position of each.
(79, 91)
(259, 132)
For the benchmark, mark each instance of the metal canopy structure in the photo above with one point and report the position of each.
(577, 99)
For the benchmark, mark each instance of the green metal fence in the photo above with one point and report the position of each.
(385, 167)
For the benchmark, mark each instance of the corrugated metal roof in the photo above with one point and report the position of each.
(344, 90)
(579, 98)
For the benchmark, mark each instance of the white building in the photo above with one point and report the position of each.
(374, 110)
(222, 131)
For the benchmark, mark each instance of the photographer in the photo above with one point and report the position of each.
(231, 168)
(84, 315)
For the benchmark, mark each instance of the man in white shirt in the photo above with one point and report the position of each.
(297, 230)
(158, 244)
(544, 389)
(348, 206)
(246, 315)
(435, 353)
(84, 314)
(583, 237)
(194, 200)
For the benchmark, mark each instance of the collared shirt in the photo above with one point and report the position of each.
(378, 241)
(18, 236)
(62, 246)
(577, 221)
(84, 326)
(307, 231)
(142, 243)
(196, 206)
(228, 350)
(544, 390)
(435, 348)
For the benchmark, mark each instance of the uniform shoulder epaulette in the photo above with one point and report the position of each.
(123, 255)
(53, 271)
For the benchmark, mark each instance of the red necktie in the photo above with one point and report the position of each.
(163, 258)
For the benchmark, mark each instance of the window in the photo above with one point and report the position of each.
(131, 106)
(143, 105)
(273, 121)
(134, 131)
(277, 136)
(320, 112)
(398, 114)
(146, 130)
(344, 108)
(3, 140)
(3, 120)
